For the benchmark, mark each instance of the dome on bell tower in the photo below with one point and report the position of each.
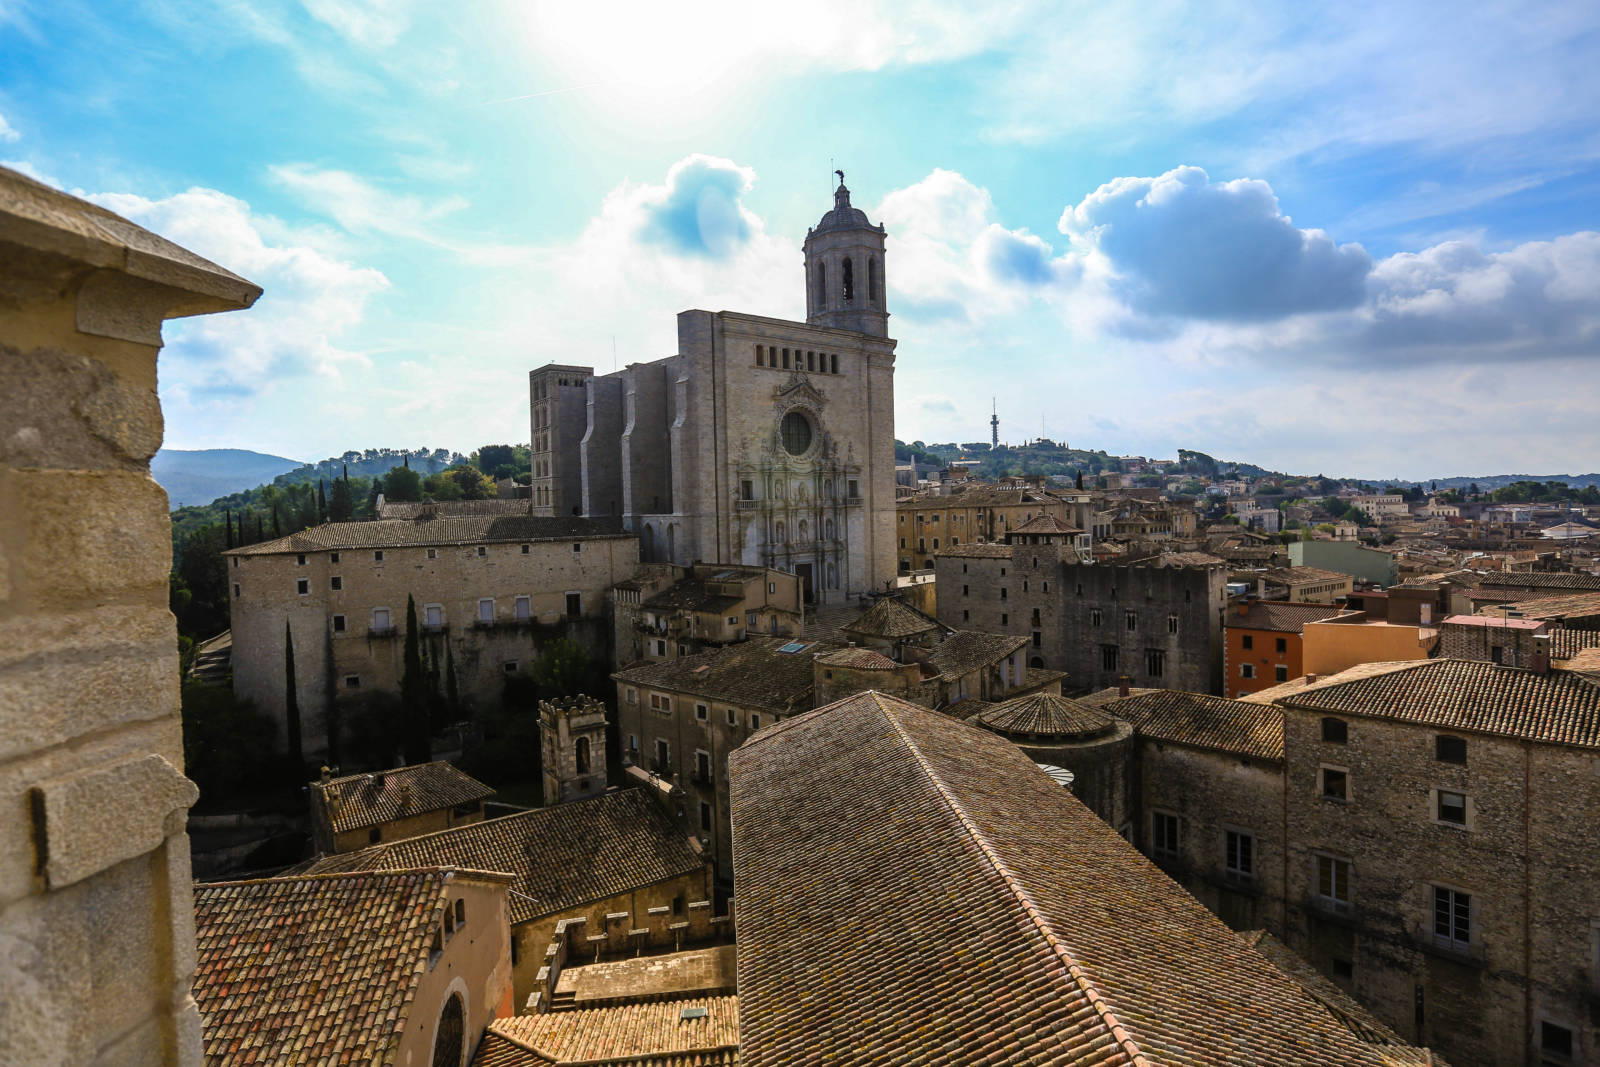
(844, 269)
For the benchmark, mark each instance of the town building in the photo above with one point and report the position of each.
(95, 904)
(1351, 638)
(958, 848)
(358, 810)
(490, 592)
(1344, 556)
(761, 443)
(1159, 624)
(1094, 749)
(665, 611)
(615, 858)
(929, 523)
(1441, 863)
(572, 747)
(1304, 585)
(1264, 642)
(1382, 507)
(392, 967)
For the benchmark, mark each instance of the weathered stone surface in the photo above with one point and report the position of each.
(65, 558)
(65, 410)
(43, 986)
(99, 817)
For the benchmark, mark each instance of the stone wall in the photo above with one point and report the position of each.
(96, 909)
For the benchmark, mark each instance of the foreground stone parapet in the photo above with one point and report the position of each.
(96, 911)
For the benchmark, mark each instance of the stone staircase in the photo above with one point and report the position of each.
(213, 660)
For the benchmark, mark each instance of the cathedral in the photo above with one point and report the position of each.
(763, 442)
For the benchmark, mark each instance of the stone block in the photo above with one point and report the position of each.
(64, 410)
(92, 820)
(68, 556)
(44, 985)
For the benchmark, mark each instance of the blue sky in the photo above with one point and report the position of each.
(1349, 238)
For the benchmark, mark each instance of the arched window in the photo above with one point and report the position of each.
(1036, 662)
(582, 750)
(874, 282)
(822, 284)
(448, 1043)
(849, 281)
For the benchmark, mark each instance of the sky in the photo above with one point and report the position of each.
(1353, 239)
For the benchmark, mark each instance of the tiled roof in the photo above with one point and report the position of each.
(1279, 615)
(361, 800)
(1045, 717)
(650, 1035)
(1560, 707)
(892, 618)
(967, 650)
(691, 595)
(446, 530)
(977, 550)
(1565, 643)
(976, 913)
(560, 857)
(1202, 721)
(1302, 575)
(1343, 1007)
(860, 659)
(1189, 559)
(313, 969)
(410, 509)
(1532, 580)
(752, 673)
(1575, 605)
(1045, 524)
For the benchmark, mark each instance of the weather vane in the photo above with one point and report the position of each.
(840, 173)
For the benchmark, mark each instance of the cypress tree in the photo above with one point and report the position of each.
(414, 691)
(322, 503)
(292, 705)
(277, 528)
(1080, 480)
(340, 507)
(227, 517)
(451, 692)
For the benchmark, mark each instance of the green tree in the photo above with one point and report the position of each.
(452, 693)
(230, 748)
(291, 702)
(341, 508)
(471, 482)
(414, 692)
(402, 483)
(563, 669)
(493, 457)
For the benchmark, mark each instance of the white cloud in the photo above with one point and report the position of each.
(369, 23)
(7, 131)
(309, 302)
(362, 207)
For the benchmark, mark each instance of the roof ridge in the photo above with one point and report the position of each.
(1079, 976)
(329, 876)
(462, 828)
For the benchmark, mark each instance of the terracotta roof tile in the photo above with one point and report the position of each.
(1279, 615)
(313, 969)
(560, 857)
(357, 801)
(892, 618)
(976, 913)
(977, 550)
(751, 673)
(650, 1035)
(967, 650)
(1249, 729)
(445, 530)
(860, 659)
(1045, 524)
(1560, 707)
(1044, 717)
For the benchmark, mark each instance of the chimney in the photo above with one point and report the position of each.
(1311, 679)
(1539, 662)
(1122, 687)
(1242, 605)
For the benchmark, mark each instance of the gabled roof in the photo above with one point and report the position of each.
(413, 509)
(976, 913)
(860, 659)
(1045, 524)
(752, 673)
(314, 968)
(560, 857)
(1571, 605)
(656, 1034)
(1044, 717)
(1558, 707)
(1237, 726)
(691, 594)
(1533, 580)
(357, 801)
(976, 550)
(1344, 1007)
(967, 650)
(445, 530)
(1279, 615)
(892, 618)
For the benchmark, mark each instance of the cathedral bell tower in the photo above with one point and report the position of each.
(844, 270)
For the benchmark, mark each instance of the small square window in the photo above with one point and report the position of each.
(1555, 1040)
(524, 550)
(338, 624)
(352, 681)
(1280, 673)
(1452, 807)
(433, 553)
(333, 557)
(1335, 731)
(1335, 783)
(511, 666)
(577, 546)
(1343, 969)
(482, 551)
(1283, 644)
(302, 586)
(377, 557)
(335, 583)
(1247, 642)
(701, 712)
(1450, 749)
(300, 560)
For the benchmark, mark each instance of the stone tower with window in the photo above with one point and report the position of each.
(572, 732)
(844, 270)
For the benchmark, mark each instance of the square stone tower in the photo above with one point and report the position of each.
(572, 733)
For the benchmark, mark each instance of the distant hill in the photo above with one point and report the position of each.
(1489, 482)
(202, 475)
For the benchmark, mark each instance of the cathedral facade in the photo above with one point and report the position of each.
(763, 441)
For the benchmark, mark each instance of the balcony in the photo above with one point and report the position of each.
(381, 632)
(1341, 912)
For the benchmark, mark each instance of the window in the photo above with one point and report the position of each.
(1280, 673)
(1555, 1043)
(1334, 783)
(300, 560)
(524, 608)
(525, 550)
(486, 610)
(1005, 618)
(705, 817)
(702, 766)
(482, 551)
(963, 590)
(352, 681)
(236, 588)
(747, 490)
(1247, 642)
(632, 696)
(1247, 670)
(1155, 662)
(433, 616)
(1108, 657)
(1283, 644)
(461, 912)
(701, 712)
(1002, 592)
(1333, 882)
(1132, 618)
(375, 834)
(1335, 731)
(1164, 834)
(854, 491)
(377, 557)
(333, 557)
(1450, 749)
(577, 546)
(733, 717)
(663, 757)
(336, 583)
(433, 553)
(1172, 624)
(380, 619)
(338, 624)
(965, 614)
(1452, 808)
(1343, 969)
(574, 605)
(1094, 617)
(660, 702)
(510, 666)
(1038, 639)
(755, 720)
(1239, 859)
(1452, 918)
